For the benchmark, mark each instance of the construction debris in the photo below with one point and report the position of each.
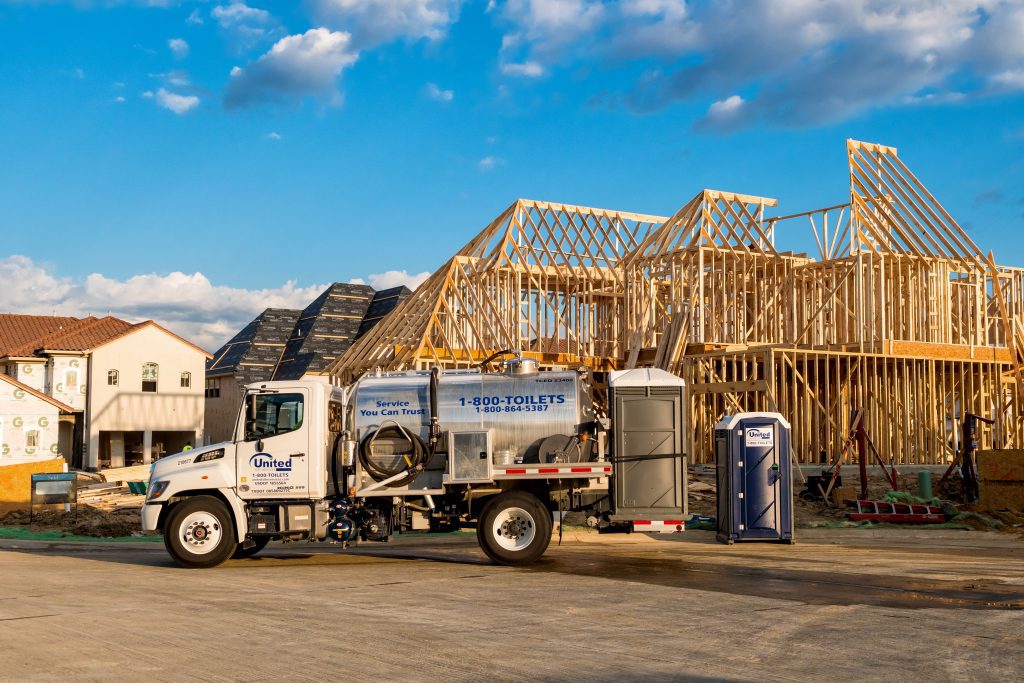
(897, 513)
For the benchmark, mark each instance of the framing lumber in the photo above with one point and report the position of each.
(897, 317)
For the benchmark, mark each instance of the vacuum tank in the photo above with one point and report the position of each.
(518, 409)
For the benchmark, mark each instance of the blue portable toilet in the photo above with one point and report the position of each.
(755, 482)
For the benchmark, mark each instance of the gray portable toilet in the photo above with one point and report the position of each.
(649, 473)
(755, 482)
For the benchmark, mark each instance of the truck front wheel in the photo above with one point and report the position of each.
(514, 528)
(199, 533)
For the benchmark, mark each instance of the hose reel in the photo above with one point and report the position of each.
(409, 457)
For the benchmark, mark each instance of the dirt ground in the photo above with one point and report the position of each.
(88, 521)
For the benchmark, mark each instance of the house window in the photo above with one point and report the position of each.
(150, 375)
(32, 438)
(186, 380)
(71, 380)
(213, 388)
(112, 378)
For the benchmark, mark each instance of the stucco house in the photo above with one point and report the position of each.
(135, 390)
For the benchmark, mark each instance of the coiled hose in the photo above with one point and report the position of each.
(411, 463)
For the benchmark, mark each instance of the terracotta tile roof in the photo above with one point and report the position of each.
(62, 407)
(20, 331)
(87, 335)
(24, 335)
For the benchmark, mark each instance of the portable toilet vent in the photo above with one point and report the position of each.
(755, 485)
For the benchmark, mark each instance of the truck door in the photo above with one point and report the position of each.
(273, 455)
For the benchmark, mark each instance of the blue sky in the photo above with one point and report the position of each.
(196, 161)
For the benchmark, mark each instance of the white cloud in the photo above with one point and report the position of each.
(247, 26)
(724, 115)
(435, 92)
(488, 163)
(187, 304)
(179, 48)
(373, 22)
(392, 278)
(239, 14)
(526, 69)
(296, 66)
(273, 135)
(177, 78)
(119, 99)
(804, 62)
(544, 31)
(179, 104)
(194, 18)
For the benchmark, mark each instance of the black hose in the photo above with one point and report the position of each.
(486, 361)
(411, 463)
(334, 465)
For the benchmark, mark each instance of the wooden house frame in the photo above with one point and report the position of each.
(899, 315)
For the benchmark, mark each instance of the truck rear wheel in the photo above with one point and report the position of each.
(199, 533)
(514, 528)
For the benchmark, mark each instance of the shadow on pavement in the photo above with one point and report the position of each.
(627, 563)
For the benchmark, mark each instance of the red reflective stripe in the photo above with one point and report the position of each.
(548, 470)
(667, 522)
(515, 471)
(581, 469)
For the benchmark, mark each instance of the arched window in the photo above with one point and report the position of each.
(32, 438)
(186, 380)
(113, 378)
(150, 376)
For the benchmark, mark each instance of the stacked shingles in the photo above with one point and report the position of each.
(383, 303)
(325, 329)
(253, 353)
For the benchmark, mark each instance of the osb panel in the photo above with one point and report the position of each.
(16, 482)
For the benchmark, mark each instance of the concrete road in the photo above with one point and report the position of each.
(840, 605)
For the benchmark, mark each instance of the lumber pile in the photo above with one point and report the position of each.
(109, 496)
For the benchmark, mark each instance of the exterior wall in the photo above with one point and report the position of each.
(125, 407)
(21, 413)
(222, 410)
(67, 378)
(30, 374)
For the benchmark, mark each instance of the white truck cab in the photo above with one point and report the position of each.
(427, 450)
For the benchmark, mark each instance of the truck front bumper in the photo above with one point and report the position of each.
(151, 516)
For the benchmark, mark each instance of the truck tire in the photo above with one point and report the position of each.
(241, 552)
(514, 528)
(199, 533)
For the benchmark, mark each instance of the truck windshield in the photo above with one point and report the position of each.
(275, 414)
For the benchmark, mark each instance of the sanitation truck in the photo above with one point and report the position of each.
(401, 452)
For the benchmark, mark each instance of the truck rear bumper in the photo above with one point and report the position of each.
(151, 516)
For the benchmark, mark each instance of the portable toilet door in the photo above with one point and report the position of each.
(755, 486)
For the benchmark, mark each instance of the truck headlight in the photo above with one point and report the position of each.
(209, 455)
(156, 490)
